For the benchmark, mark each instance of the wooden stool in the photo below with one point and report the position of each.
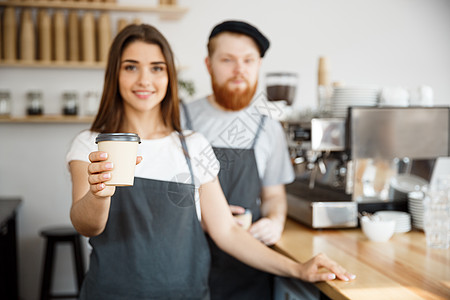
(55, 235)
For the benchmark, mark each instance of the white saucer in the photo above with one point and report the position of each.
(402, 219)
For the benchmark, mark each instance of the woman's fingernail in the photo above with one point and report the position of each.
(352, 276)
(109, 165)
(107, 175)
(331, 276)
(103, 155)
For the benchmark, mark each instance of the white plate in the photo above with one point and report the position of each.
(353, 103)
(357, 88)
(417, 214)
(408, 183)
(393, 213)
(416, 201)
(402, 230)
(356, 93)
(416, 209)
(355, 96)
(416, 196)
(346, 96)
(416, 204)
(346, 105)
(402, 219)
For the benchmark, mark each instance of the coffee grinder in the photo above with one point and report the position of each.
(281, 89)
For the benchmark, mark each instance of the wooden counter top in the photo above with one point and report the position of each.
(402, 268)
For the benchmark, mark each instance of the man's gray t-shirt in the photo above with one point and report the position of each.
(225, 129)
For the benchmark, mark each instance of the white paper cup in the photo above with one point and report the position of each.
(122, 152)
(245, 219)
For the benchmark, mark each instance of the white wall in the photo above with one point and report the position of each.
(384, 42)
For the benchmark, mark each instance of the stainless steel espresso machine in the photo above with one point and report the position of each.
(367, 161)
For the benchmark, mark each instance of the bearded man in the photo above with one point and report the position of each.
(251, 148)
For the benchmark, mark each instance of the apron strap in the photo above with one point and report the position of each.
(186, 114)
(258, 131)
(186, 155)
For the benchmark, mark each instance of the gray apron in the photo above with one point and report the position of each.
(153, 246)
(239, 178)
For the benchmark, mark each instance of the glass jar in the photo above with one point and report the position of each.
(70, 103)
(34, 103)
(5, 103)
(92, 101)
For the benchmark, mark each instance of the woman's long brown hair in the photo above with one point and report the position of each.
(111, 113)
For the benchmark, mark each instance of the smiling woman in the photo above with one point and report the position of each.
(140, 96)
(122, 60)
(143, 80)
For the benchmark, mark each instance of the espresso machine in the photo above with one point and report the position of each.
(366, 161)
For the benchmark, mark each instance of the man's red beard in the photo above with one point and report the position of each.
(233, 99)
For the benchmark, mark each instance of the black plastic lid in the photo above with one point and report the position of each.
(122, 137)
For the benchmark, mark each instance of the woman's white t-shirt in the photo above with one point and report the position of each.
(163, 158)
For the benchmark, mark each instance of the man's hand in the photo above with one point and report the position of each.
(267, 231)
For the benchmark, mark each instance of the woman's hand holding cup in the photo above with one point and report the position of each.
(99, 171)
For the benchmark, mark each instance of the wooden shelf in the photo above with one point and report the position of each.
(60, 65)
(96, 6)
(166, 11)
(169, 12)
(47, 119)
(53, 64)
